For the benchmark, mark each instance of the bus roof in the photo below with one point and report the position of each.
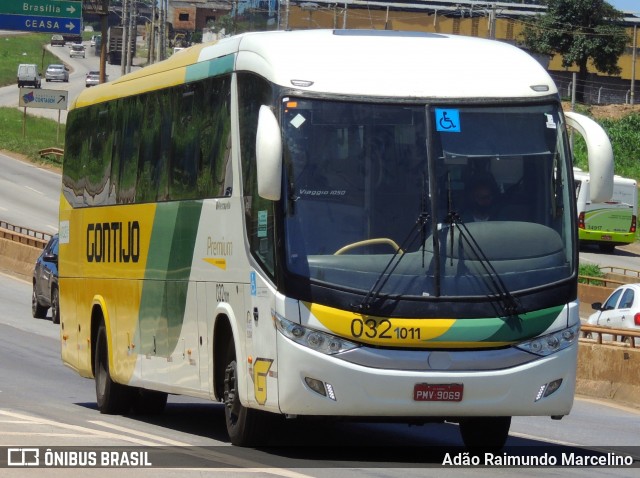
(356, 62)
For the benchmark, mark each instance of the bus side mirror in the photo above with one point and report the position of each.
(268, 155)
(600, 155)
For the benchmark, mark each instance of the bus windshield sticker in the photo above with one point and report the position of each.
(297, 121)
(448, 120)
(262, 223)
(550, 123)
(252, 280)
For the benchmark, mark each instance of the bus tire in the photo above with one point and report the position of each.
(245, 426)
(149, 402)
(485, 433)
(111, 397)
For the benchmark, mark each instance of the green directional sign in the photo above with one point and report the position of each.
(41, 8)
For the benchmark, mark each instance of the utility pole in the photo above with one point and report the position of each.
(492, 22)
(133, 33)
(633, 64)
(125, 37)
(151, 56)
(162, 43)
(104, 32)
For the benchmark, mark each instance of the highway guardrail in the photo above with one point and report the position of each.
(23, 235)
(619, 336)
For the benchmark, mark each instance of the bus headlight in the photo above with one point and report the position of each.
(314, 339)
(551, 343)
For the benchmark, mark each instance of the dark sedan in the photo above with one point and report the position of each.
(45, 283)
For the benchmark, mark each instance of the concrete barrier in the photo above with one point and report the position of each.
(18, 259)
(609, 372)
(588, 294)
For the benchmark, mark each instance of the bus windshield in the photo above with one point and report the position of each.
(426, 201)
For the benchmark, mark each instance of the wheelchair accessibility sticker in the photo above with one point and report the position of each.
(448, 120)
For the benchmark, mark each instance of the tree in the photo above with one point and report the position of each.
(581, 31)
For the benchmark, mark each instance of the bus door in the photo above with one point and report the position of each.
(261, 359)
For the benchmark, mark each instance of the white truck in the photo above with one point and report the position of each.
(29, 75)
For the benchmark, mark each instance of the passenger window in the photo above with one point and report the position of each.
(627, 299)
(611, 302)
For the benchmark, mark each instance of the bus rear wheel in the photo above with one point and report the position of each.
(485, 433)
(245, 426)
(111, 397)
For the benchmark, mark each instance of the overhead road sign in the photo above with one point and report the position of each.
(39, 98)
(46, 8)
(40, 24)
(41, 16)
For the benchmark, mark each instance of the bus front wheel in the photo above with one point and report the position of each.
(245, 426)
(111, 397)
(486, 433)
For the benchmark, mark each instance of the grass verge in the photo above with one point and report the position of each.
(39, 133)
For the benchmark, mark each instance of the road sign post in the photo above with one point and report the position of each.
(39, 98)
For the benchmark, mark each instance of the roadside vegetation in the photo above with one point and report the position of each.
(39, 133)
(625, 139)
(23, 48)
(590, 270)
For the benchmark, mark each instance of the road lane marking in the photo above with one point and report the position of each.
(76, 428)
(128, 430)
(188, 449)
(201, 452)
(34, 190)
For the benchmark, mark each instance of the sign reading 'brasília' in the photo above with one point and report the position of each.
(49, 16)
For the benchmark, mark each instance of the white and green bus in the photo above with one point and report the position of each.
(607, 224)
(277, 221)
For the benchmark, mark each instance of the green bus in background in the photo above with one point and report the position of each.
(607, 224)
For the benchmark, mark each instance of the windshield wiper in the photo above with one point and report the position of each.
(419, 228)
(509, 304)
(507, 301)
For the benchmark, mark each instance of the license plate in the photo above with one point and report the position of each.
(442, 392)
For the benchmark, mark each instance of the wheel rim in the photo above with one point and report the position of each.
(54, 306)
(34, 300)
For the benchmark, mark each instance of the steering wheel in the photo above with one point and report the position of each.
(369, 242)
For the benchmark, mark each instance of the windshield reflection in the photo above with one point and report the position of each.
(376, 201)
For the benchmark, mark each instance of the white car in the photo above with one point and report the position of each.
(77, 50)
(621, 310)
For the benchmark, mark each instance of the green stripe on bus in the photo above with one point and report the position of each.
(501, 329)
(164, 292)
(215, 67)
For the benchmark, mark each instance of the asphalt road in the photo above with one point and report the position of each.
(29, 195)
(79, 68)
(44, 404)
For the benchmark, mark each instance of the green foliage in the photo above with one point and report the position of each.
(40, 133)
(23, 48)
(581, 31)
(625, 139)
(590, 270)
